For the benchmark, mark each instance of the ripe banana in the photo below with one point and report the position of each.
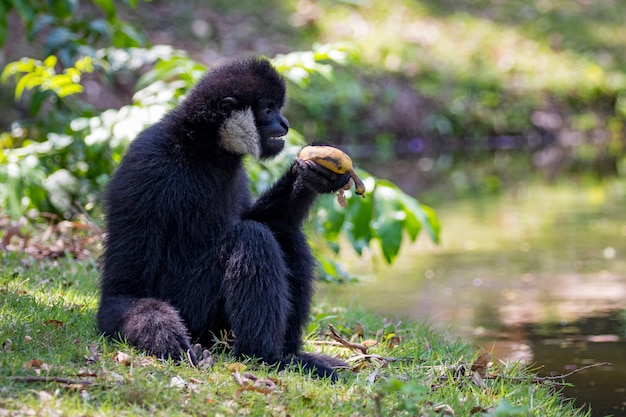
(335, 160)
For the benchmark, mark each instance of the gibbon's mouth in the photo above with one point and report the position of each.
(281, 138)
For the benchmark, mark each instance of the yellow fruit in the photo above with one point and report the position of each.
(335, 160)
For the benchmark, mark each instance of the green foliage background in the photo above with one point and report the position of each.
(463, 97)
(59, 159)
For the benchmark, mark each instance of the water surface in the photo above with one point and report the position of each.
(537, 274)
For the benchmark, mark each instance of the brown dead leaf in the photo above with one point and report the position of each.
(94, 355)
(369, 343)
(240, 390)
(45, 396)
(359, 366)
(445, 409)
(177, 382)
(123, 358)
(478, 380)
(250, 382)
(53, 322)
(111, 376)
(75, 388)
(394, 340)
(6, 345)
(481, 364)
(236, 367)
(341, 198)
(59, 238)
(86, 373)
(33, 364)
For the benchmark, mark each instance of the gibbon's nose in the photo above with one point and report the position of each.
(284, 123)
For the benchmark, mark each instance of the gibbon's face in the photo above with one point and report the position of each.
(254, 130)
(272, 126)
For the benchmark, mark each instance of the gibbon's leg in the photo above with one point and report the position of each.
(255, 291)
(300, 279)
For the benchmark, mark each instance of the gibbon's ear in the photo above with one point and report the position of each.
(227, 104)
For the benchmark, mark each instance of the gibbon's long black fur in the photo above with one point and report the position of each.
(188, 254)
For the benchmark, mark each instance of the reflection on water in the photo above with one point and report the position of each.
(537, 275)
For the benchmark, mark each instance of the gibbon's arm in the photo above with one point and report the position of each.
(286, 204)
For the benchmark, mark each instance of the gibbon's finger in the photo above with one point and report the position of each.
(335, 160)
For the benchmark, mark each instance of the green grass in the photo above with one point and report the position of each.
(47, 330)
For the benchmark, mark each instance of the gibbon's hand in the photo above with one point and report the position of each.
(319, 179)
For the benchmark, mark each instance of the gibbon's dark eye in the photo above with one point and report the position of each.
(227, 103)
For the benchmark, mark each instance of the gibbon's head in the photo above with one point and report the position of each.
(242, 100)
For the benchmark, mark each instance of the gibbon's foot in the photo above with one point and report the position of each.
(320, 366)
(204, 359)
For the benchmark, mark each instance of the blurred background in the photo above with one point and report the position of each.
(506, 117)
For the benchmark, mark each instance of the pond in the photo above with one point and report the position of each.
(537, 274)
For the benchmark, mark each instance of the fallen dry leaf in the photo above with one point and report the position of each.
(94, 355)
(86, 373)
(53, 322)
(45, 396)
(236, 367)
(123, 358)
(394, 340)
(250, 382)
(481, 364)
(341, 198)
(58, 239)
(477, 409)
(240, 390)
(369, 343)
(177, 382)
(33, 363)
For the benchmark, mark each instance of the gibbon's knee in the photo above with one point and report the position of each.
(252, 251)
(150, 324)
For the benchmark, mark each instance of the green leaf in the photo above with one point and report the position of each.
(108, 6)
(3, 23)
(389, 219)
(14, 190)
(37, 99)
(101, 27)
(57, 38)
(424, 214)
(357, 222)
(42, 22)
(331, 218)
(126, 36)
(412, 225)
(298, 76)
(64, 8)
(331, 271)
(26, 11)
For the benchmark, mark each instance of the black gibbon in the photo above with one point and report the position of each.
(188, 254)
